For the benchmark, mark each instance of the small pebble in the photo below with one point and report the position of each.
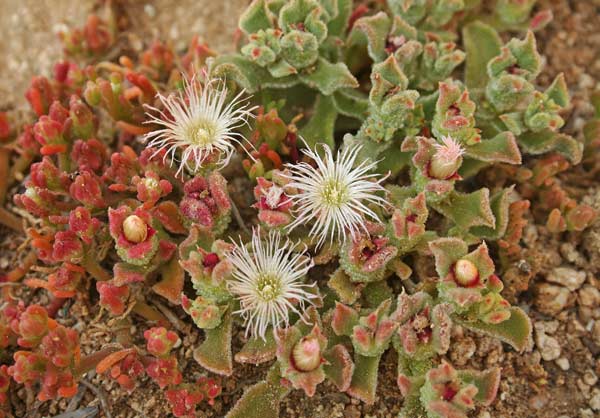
(568, 277)
(548, 346)
(595, 400)
(563, 363)
(590, 378)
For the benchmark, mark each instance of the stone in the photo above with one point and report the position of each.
(596, 332)
(589, 296)
(568, 277)
(589, 377)
(595, 400)
(563, 363)
(551, 299)
(548, 346)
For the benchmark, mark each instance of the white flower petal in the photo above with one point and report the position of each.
(201, 124)
(267, 278)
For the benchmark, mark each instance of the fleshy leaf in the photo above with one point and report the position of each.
(515, 331)
(364, 378)
(248, 75)
(545, 141)
(256, 17)
(487, 383)
(320, 126)
(340, 367)
(482, 43)
(375, 29)
(327, 77)
(171, 285)
(214, 354)
(502, 148)
(352, 103)
(261, 400)
(499, 204)
(257, 351)
(467, 210)
(346, 290)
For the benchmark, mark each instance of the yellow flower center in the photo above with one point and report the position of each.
(268, 287)
(334, 194)
(201, 133)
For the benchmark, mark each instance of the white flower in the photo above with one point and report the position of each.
(334, 195)
(199, 124)
(267, 280)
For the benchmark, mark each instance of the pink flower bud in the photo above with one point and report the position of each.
(447, 159)
(466, 273)
(306, 354)
(135, 229)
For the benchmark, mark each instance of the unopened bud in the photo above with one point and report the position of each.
(135, 229)
(447, 159)
(466, 273)
(306, 354)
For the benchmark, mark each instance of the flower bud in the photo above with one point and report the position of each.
(447, 159)
(135, 229)
(306, 354)
(466, 273)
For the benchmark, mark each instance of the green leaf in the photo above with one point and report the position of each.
(321, 125)
(558, 91)
(256, 17)
(364, 378)
(502, 148)
(487, 383)
(352, 103)
(482, 43)
(375, 30)
(499, 204)
(248, 75)
(545, 141)
(214, 354)
(515, 331)
(393, 160)
(347, 291)
(467, 210)
(257, 351)
(337, 26)
(327, 77)
(261, 400)
(339, 367)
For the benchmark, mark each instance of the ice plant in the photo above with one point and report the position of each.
(399, 192)
(198, 124)
(335, 195)
(268, 280)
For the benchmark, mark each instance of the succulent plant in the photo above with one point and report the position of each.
(360, 145)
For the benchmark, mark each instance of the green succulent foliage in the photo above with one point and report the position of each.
(509, 100)
(426, 14)
(429, 129)
(424, 61)
(288, 44)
